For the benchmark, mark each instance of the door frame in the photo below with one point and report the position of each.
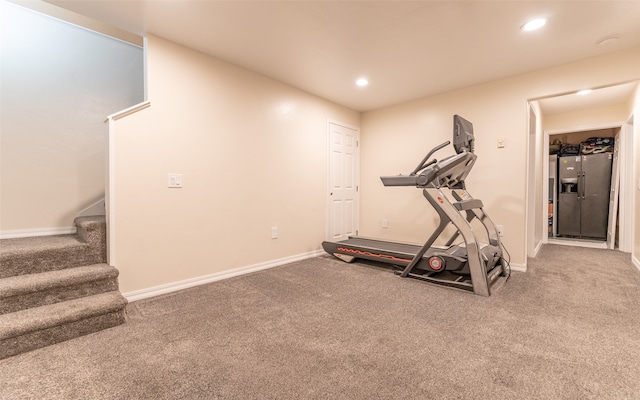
(626, 189)
(533, 187)
(626, 201)
(327, 233)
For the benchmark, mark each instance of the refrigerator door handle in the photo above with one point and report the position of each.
(583, 186)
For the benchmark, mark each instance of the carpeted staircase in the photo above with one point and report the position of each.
(55, 288)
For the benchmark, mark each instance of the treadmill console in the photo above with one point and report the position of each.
(462, 135)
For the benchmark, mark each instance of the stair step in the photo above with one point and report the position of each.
(28, 245)
(35, 290)
(34, 328)
(45, 253)
(31, 255)
(55, 288)
(92, 229)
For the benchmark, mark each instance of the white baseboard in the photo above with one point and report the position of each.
(20, 233)
(518, 267)
(96, 208)
(201, 280)
(636, 262)
(537, 249)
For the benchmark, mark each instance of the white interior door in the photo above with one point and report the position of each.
(343, 181)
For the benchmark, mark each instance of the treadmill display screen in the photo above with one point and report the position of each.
(462, 135)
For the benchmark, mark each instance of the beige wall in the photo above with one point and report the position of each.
(59, 82)
(253, 154)
(394, 139)
(614, 113)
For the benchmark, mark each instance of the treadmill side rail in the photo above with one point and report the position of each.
(468, 204)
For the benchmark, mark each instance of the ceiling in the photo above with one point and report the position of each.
(406, 49)
(602, 97)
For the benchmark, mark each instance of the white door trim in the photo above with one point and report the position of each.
(356, 172)
(531, 189)
(614, 193)
(625, 240)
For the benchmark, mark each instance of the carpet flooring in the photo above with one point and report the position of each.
(569, 328)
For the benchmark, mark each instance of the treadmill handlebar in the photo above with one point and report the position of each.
(422, 164)
(446, 172)
(400, 180)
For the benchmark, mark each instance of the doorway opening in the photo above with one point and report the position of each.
(583, 187)
(571, 119)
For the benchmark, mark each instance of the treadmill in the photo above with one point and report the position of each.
(470, 265)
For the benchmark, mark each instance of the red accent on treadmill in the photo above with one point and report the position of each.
(436, 263)
(368, 253)
(440, 200)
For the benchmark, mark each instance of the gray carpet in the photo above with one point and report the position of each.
(321, 329)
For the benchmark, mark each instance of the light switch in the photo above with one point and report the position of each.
(175, 180)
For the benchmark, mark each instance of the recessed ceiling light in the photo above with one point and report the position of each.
(583, 92)
(534, 24)
(362, 82)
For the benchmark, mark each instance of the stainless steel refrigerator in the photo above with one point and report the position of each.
(583, 195)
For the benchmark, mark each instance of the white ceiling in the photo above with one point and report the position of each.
(406, 49)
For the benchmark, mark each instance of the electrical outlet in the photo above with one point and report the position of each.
(274, 232)
(385, 223)
(500, 229)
